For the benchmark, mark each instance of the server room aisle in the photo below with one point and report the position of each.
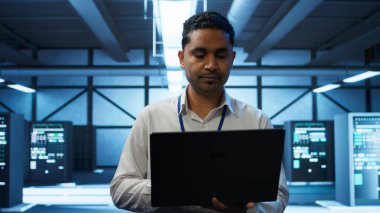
(113, 209)
(74, 209)
(90, 193)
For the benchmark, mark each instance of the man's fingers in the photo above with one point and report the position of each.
(250, 205)
(225, 208)
(218, 205)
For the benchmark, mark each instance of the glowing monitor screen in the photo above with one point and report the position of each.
(3, 147)
(47, 147)
(366, 156)
(312, 152)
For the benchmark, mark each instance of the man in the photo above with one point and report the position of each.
(207, 56)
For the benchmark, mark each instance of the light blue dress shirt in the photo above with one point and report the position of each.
(131, 186)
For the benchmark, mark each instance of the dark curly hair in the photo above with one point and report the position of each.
(204, 20)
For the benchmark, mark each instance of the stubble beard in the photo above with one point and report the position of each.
(208, 89)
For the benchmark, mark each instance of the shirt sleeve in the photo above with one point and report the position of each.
(283, 194)
(130, 188)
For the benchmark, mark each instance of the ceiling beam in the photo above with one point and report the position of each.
(157, 70)
(352, 32)
(11, 54)
(240, 13)
(287, 16)
(95, 15)
(17, 37)
(348, 49)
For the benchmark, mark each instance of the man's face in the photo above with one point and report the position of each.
(207, 60)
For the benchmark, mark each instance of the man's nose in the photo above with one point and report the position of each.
(211, 64)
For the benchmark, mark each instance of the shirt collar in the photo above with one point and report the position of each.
(226, 100)
(184, 105)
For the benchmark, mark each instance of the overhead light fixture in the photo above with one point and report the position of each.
(175, 80)
(169, 18)
(21, 88)
(326, 88)
(351, 79)
(172, 16)
(362, 76)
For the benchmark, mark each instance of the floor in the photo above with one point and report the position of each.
(86, 198)
(89, 193)
(113, 209)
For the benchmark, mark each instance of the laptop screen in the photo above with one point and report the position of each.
(237, 166)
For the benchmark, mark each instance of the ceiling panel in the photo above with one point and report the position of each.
(267, 8)
(55, 24)
(127, 8)
(222, 6)
(45, 24)
(133, 24)
(346, 9)
(45, 8)
(58, 35)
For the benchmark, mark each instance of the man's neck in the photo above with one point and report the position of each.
(202, 104)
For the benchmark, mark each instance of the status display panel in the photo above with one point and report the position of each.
(3, 153)
(11, 145)
(358, 165)
(366, 156)
(309, 152)
(51, 152)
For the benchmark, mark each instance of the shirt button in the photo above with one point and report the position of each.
(203, 126)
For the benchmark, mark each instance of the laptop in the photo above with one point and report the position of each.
(237, 167)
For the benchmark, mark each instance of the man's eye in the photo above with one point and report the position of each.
(199, 56)
(221, 56)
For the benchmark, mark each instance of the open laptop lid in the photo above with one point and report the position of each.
(237, 167)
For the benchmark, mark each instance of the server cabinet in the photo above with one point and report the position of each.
(12, 144)
(51, 156)
(309, 152)
(357, 151)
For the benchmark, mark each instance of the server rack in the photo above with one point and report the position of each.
(309, 152)
(357, 151)
(12, 140)
(51, 152)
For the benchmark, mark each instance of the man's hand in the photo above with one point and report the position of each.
(230, 208)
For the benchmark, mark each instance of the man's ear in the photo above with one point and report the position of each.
(233, 56)
(181, 56)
